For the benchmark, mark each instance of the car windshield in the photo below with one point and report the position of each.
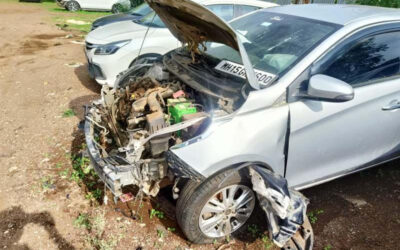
(151, 20)
(274, 42)
(224, 11)
(141, 10)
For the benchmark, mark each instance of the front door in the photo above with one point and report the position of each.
(329, 139)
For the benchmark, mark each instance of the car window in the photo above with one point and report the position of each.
(224, 11)
(152, 20)
(273, 42)
(241, 10)
(367, 60)
(141, 10)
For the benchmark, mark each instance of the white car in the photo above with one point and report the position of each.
(115, 47)
(116, 6)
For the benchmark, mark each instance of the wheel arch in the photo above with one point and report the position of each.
(240, 166)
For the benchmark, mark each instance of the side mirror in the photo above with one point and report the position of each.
(326, 88)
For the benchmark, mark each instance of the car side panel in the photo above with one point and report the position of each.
(257, 136)
(330, 138)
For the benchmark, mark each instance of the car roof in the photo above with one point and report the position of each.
(257, 3)
(336, 13)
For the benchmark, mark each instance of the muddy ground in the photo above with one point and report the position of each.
(43, 207)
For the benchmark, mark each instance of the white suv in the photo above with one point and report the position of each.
(116, 6)
(115, 47)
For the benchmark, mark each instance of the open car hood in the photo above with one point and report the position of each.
(193, 24)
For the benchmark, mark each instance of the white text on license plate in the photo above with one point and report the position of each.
(264, 78)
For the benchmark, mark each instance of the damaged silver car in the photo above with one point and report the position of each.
(274, 102)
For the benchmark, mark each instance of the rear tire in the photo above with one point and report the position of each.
(196, 198)
(73, 6)
(117, 8)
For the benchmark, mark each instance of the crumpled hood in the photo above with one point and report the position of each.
(116, 32)
(194, 24)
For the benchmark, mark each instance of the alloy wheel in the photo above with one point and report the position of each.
(226, 211)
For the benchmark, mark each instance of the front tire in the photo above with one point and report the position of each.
(215, 208)
(73, 6)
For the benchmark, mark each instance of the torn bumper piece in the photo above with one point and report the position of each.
(288, 223)
(115, 173)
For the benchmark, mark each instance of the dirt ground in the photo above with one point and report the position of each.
(42, 208)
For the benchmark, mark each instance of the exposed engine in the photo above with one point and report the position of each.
(136, 124)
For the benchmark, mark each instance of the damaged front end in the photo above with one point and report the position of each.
(285, 208)
(131, 128)
(129, 132)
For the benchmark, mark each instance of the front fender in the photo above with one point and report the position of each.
(256, 136)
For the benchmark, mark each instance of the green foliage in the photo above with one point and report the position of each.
(171, 229)
(94, 195)
(267, 242)
(64, 173)
(68, 113)
(381, 3)
(328, 247)
(47, 183)
(156, 213)
(160, 233)
(83, 221)
(253, 230)
(81, 169)
(313, 215)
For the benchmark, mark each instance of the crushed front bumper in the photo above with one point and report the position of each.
(114, 172)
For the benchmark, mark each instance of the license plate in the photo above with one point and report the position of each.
(264, 78)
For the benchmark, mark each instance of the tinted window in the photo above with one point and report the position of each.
(240, 10)
(370, 59)
(224, 11)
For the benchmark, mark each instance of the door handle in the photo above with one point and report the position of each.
(392, 106)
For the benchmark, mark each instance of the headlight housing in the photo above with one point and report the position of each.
(110, 48)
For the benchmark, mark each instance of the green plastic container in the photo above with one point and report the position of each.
(177, 108)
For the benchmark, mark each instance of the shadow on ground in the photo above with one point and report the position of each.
(83, 76)
(13, 221)
(359, 211)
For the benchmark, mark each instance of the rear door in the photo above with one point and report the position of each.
(330, 139)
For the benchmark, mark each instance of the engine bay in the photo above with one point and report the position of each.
(136, 123)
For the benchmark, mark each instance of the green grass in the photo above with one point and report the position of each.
(60, 15)
(68, 113)
(83, 221)
(156, 213)
(313, 215)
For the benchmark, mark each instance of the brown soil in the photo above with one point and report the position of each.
(38, 206)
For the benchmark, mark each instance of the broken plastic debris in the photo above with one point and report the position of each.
(78, 42)
(74, 64)
(178, 94)
(77, 22)
(126, 197)
(285, 209)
